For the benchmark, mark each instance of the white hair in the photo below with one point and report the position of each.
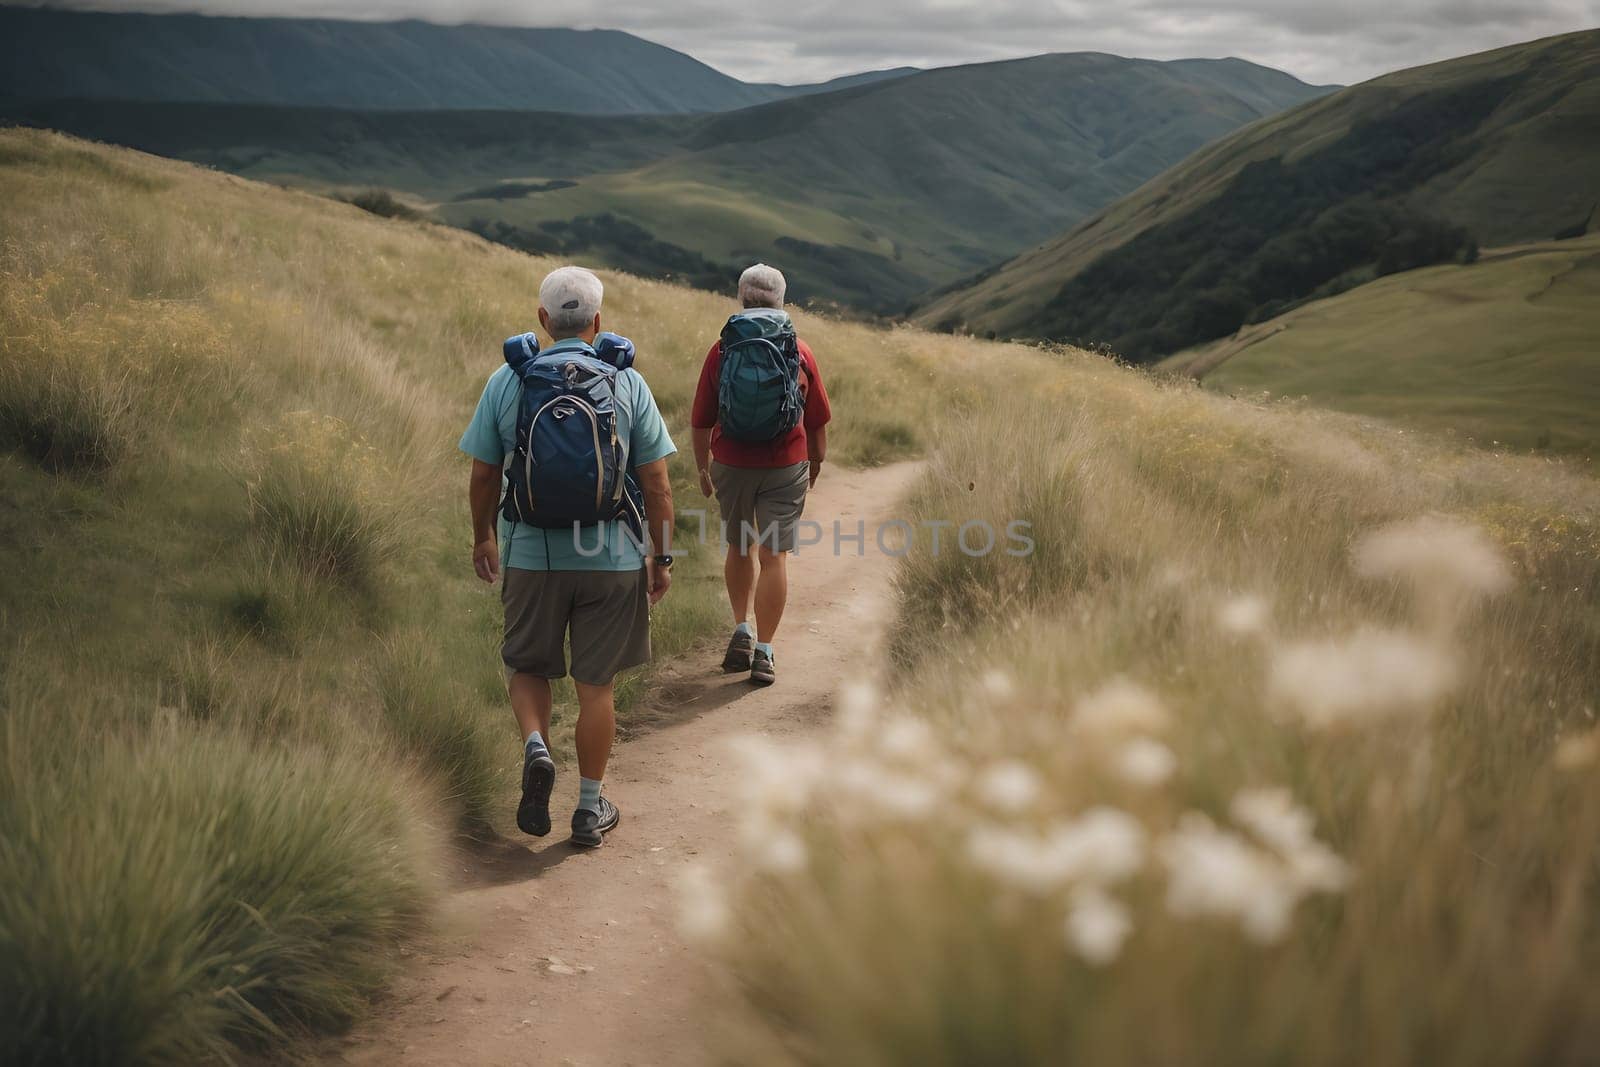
(571, 297)
(762, 286)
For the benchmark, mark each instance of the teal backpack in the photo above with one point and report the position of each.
(758, 390)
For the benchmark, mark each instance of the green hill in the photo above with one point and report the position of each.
(1409, 169)
(1502, 352)
(867, 195)
(50, 53)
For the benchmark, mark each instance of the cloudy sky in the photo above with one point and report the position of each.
(1318, 40)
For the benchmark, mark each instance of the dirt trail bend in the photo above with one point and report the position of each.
(555, 956)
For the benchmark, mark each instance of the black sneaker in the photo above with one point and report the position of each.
(538, 779)
(761, 669)
(588, 826)
(739, 649)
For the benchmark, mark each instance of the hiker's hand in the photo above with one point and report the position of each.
(660, 579)
(816, 469)
(486, 560)
(706, 488)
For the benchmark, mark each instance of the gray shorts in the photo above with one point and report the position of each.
(761, 505)
(607, 612)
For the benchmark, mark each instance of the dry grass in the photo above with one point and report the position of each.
(1280, 749)
(228, 416)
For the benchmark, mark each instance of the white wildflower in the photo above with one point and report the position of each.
(703, 912)
(1218, 874)
(1020, 860)
(901, 796)
(1272, 816)
(1446, 562)
(1097, 925)
(776, 851)
(853, 778)
(858, 706)
(1120, 707)
(1244, 616)
(865, 790)
(1009, 786)
(1144, 762)
(906, 737)
(998, 685)
(1102, 845)
(1368, 676)
(1277, 822)
(779, 779)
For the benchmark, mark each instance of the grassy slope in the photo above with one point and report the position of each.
(1501, 352)
(1524, 175)
(249, 680)
(912, 181)
(927, 884)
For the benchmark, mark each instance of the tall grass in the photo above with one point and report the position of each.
(1280, 748)
(434, 714)
(235, 517)
(177, 896)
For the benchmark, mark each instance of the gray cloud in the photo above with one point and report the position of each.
(1318, 40)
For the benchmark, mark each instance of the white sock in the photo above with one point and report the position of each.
(534, 745)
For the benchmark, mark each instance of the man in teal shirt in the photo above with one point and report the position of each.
(593, 582)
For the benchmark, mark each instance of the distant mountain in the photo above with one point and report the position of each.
(869, 194)
(54, 54)
(1412, 168)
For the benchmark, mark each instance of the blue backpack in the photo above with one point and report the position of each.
(569, 466)
(758, 388)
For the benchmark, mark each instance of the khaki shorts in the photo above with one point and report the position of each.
(761, 505)
(607, 612)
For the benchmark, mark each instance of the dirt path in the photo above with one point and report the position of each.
(555, 956)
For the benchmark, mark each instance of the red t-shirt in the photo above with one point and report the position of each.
(786, 450)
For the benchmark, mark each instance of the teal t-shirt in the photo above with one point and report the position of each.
(491, 437)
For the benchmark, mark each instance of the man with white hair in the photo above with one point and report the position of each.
(553, 441)
(760, 435)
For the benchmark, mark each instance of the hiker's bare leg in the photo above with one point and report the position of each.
(530, 703)
(596, 729)
(772, 590)
(739, 572)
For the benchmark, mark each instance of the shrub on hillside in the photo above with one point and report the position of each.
(315, 496)
(84, 392)
(464, 742)
(383, 203)
(177, 898)
(67, 419)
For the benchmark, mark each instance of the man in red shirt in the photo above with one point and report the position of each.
(760, 486)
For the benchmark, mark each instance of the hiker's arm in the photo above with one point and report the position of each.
(702, 458)
(657, 486)
(817, 450)
(484, 494)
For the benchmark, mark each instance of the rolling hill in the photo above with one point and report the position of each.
(1405, 170)
(868, 195)
(1502, 352)
(50, 53)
